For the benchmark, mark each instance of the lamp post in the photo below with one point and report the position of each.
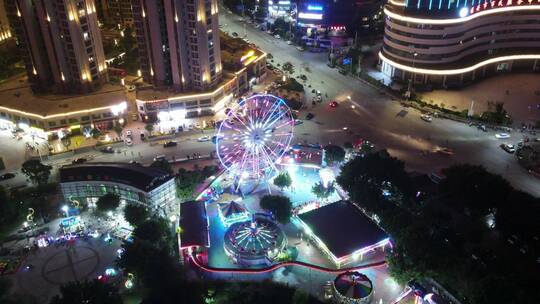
(411, 79)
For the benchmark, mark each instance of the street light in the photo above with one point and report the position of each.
(65, 208)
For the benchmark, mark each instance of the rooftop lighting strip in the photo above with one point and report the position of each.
(61, 114)
(457, 71)
(460, 20)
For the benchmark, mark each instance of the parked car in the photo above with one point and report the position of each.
(159, 157)
(333, 104)
(170, 144)
(508, 148)
(129, 134)
(277, 36)
(310, 116)
(107, 149)
(289, 42)
(129, 142)
(131, 88)
(502, 135)
(300, 49)
(203, 138)
(426, 117)
(7, 176)
(234, 34)
(444, 151)
(298, 122)
(79, 161)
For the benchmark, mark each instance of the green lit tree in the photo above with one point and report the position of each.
(323, 192)
(108, 202)
(135, 214)
(283, 180)
(280, 206)
(92, 292)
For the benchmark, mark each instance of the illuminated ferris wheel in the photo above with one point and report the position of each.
(254, 136)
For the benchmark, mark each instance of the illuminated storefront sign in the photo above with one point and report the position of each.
(310, 16)
(501, 3)
(314, 7)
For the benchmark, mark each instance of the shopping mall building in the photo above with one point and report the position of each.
(450, 43)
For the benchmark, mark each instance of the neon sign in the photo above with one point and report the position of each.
(314, 7)
(501, 3)
(310, 16)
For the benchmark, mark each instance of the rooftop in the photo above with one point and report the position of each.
(343, 228)
(16, 94)
(193, 224)
(135, 175)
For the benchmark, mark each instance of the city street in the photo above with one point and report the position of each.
(378, 118)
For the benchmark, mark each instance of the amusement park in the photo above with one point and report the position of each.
(235, 228)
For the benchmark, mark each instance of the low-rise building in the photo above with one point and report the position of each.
(45, 114)
(133, 183)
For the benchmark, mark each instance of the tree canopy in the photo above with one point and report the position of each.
(91, 292)
(108, 202)
(321, 191)
(280, 206)
(135, 214)
(333, 154)
(283, 180)
(162, 164)
(36, 172)
(187, 181)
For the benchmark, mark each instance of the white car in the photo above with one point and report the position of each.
(203, 139)
(129, 142)
(300, 49)
(289, 42)
(502, 135)
(129, 133)
(277, 36)
(426, 117)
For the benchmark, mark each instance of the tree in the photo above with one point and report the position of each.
(154, 230)
(333, 154)
(279, 206)
(321, 191)
(95, 133)
(149, 127)
(288, 67)
(260, 12)
(91, 292)
(108, 202)
(162, 164)
(36, 172)
(187, 181)
(283, 180)
(8, 208)
(135, 214)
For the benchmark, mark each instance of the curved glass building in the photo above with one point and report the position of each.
(447, 43)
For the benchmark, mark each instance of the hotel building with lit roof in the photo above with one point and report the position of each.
(450, 43)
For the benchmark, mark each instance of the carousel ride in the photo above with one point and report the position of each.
(353, 287)
(255, 242)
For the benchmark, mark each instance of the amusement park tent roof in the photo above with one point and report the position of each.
(193, 225)
(231, 208)
(343, 228)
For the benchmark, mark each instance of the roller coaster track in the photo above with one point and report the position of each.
(274, 267)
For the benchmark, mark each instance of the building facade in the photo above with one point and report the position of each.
(5, 30)
(61, 43)
(178, 42)
(133, 183)
(445, 43)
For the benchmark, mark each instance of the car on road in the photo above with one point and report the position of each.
(107, 149)
(277, 36)
(300, 49)
(310, 116)
(79, 161)
(426, 117)
(444, 151)
(502, 135)
(203, 138)
(159, 157)
(289, 42)
(128, 142)
(333, 104)
(234, 34)
(298, 122)
(129, 133)
(216, 138)
(303, 77)
(7, 176)
(131, 88)
(170, 144)
(508, 148)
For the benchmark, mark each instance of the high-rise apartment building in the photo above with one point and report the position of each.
(5, 30)
(120, 12)
(178, 43)
(61, 42)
